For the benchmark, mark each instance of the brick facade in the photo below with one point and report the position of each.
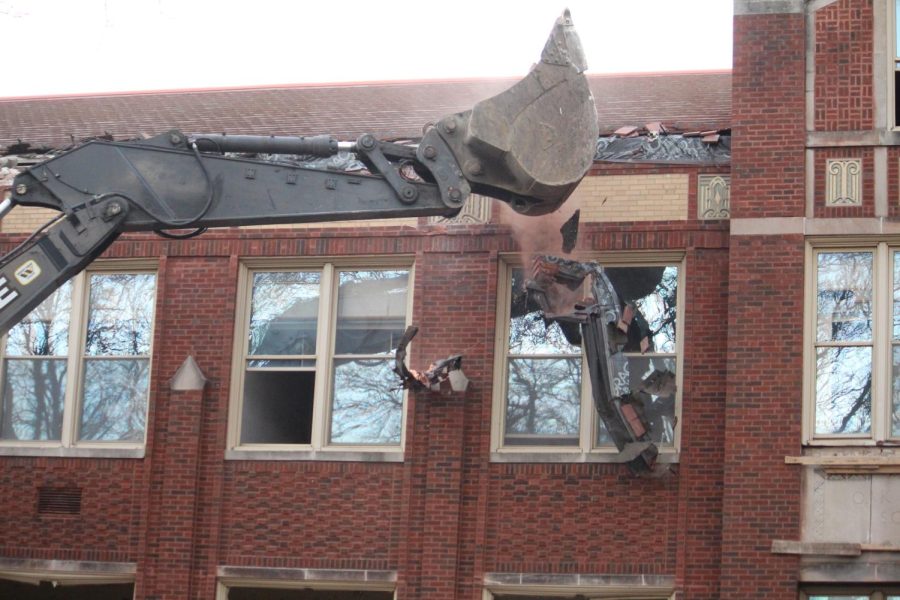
(453, 519)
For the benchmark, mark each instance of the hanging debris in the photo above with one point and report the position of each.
(445, 370)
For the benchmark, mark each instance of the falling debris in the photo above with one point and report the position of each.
(607, 325)
(569, 232)
(448, 369)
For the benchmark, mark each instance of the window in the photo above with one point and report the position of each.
(76, 370)
(869, 592)
(853, 342)
(541, 396)
(896, 61)
(316, 349)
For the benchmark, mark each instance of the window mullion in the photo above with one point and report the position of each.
(324, 361)
(587, 426)
(883, 335)
(74, 360)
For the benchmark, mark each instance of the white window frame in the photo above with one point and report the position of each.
(69, 445)
(882, 265)
(319, 446)
(588, 592)
(586, 450)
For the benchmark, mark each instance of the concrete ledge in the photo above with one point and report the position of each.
(881, 568)
(666, 456)
(307, 575)
(767, 7)
(61, 452)
(581, 582)
(313, 455)
(815, 548)
(66, 572)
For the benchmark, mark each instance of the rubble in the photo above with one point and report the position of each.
(447, 370)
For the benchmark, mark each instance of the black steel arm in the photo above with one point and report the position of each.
(528, 146)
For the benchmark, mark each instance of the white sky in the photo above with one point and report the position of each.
(87, 46)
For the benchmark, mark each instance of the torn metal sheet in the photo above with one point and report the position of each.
(712, 148)
(607, 326)
(445, 370)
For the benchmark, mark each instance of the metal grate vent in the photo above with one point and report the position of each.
(59, 501)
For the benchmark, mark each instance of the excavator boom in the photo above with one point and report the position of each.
(528, 146)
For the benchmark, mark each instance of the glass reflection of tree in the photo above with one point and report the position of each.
(844, 342)
(367, 406)
(544, 396)
(34, 388)
(117, 347)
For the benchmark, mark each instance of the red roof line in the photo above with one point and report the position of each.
(341, 84)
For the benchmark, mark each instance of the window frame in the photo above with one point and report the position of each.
(873, 591)
(882, 340)
(893, 66)
(586, 450)
(68, 444)
(319, 448)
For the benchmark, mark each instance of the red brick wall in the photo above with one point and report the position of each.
(768, 101)
(443, 517)
(844, 59)
(761, 496)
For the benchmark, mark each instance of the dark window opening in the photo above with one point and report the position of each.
(305, 594)
(48, 591)
(278, 407)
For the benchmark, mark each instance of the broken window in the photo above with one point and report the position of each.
(102, 379)
(317, 351)
(854, 344)
(544, 396)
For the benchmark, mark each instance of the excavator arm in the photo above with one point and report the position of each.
(528, 146)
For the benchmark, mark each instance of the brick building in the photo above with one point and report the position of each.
(207, 418)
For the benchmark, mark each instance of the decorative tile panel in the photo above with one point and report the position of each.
(713, 196)
(843, 182)
(476, 210)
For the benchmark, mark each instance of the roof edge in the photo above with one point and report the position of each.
(343, 84)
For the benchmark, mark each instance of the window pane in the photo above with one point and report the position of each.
(895, 413)
(838, 597)
(45, 330)
(843, 390)
(543, 401)
(371, 314)
(283, 314)
(654, 376)
(278, 407)
(33, 396)
(114, 402)
(653, 293)
(896, 305)
(120, 318)
(368, 404)
(844, 290)
(528, 333)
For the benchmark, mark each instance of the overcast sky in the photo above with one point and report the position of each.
(90, 46)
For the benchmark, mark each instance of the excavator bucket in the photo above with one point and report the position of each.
(532, 144)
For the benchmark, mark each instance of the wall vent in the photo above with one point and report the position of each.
(59, 501)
